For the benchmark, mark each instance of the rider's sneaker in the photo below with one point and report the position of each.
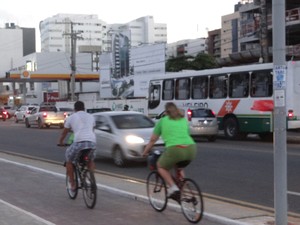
(175, 195)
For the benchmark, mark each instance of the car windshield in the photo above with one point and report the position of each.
(132, 121)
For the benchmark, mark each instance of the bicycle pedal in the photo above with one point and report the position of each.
(175, 196)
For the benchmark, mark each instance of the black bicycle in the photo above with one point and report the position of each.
(84, 179)
(190, 196)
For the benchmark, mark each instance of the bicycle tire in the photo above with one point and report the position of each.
(89, 189)
(191, 201)
(72, 193)
(157, 191)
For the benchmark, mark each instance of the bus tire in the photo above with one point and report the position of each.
(231, 128)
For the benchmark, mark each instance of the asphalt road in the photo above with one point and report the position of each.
(43, 200)
(237, 170)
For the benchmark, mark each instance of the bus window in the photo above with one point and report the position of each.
(199, 87)
(239, 85)
(218, 86)
(154, 96)
(168, 89)
(261, 84)
(182, 89)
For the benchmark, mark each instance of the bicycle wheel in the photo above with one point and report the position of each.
(89, 189)
(191, 201)
(72, 193)
(157, 191)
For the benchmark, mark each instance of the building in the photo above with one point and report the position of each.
(190, 47)
(143, 31)
(15, 42)
(56, 33)
(95, 35)
(49, 72)
(214, 43)
(246, 34)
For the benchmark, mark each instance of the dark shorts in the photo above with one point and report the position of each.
(74, 149)
(175, 154)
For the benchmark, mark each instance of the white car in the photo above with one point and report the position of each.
(123, 135)
(22, 112)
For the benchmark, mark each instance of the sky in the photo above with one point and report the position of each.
(187, 19)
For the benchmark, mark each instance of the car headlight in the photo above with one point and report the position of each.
(132, 139)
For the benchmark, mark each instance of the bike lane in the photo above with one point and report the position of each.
(32, 195)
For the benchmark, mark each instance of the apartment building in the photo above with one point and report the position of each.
(93, 34)
(15, 42)
(246, 34)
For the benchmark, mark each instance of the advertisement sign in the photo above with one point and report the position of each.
(125, 72)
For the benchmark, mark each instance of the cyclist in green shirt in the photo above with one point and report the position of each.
(180, 146)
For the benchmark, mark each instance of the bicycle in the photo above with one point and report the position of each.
(190, 198)
(84, 179)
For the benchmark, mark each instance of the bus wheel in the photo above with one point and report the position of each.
(231, 128)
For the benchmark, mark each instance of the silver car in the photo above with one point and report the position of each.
(202, 122)
(123, 135)
(22, 112)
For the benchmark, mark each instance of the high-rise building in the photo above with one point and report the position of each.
(189, 47)
(16, 42)
(95, 35)
(246, 34)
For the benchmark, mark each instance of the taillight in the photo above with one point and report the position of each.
(189, 114)
(290, 114)
(4, 112)
(44, 114)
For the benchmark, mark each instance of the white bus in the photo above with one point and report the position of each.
(241, 96)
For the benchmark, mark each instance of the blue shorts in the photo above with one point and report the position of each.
(74, 149)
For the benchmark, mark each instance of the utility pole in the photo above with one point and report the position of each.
(74, 36)
(279, 93)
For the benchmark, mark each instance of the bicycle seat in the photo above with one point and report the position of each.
(183, 164)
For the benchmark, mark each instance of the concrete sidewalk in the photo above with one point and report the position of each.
(220, 212)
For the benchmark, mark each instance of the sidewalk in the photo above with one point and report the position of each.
(220, 212)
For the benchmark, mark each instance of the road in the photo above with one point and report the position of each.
(236, 170)
(40, 198)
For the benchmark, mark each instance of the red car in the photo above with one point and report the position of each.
(3, 114)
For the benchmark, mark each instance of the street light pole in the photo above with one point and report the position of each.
(279, 92)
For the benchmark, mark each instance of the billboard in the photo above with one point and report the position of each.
(121, 69)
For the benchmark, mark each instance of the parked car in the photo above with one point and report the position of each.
(202, 122)
(123, 135)
(22, 112)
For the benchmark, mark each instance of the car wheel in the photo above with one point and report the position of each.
(118, 157)
(27, 123)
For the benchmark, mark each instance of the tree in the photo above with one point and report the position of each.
(200, 62)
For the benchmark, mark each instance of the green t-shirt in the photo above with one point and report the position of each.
(173, 132)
